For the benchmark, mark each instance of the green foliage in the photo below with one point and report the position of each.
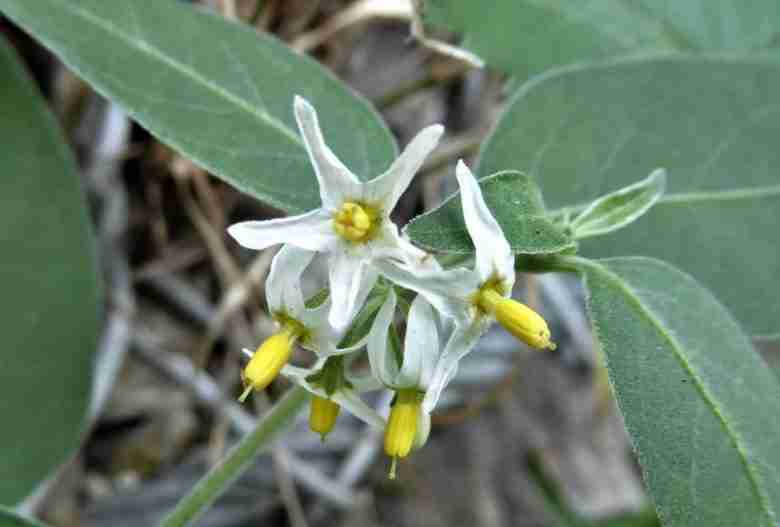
(365, 317)
(516, 203)
(218, 92)
(49, 304)
(712, 123)
(620, 208)
(700, 405)
(526, 37)
(10, 519)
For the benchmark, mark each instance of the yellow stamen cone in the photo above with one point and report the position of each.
(355, 222)
(322, 415)
(402, 426)
(268, 360)
(520, 320)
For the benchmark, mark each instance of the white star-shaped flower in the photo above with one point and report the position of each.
(473, 298)
(408, 371)
(353, 223)
(298, 324)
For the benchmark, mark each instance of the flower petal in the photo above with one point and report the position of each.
(283, 285)
(336, 180)
(493, 254)
(423, 429)
(389, 187)
(312, 231)
(383, 364)
(421, 346)
(357, 407)
(365, 383)
(460, 343)
(323, 339)
(391, 244)
(447, 290)
(344, 397)
(351, 280)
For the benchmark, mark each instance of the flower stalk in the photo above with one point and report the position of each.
(238, 460)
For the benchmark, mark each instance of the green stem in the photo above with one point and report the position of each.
(219, 478)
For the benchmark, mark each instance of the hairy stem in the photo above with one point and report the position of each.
(219, 478)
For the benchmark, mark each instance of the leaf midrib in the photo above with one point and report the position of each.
(146, 47)
(697, 382)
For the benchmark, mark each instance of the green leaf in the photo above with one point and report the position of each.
(698, 402)
(713, 123)
(516, 203)
(365, 317)
(217, 91)
(546, 34)
(620, 208)
(10, 519)
(49, 304)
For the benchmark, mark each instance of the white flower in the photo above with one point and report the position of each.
(420, 350)
(473, 298)
(409, 371)
(297, 323)
(353, 223)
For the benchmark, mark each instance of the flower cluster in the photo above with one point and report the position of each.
(353, 232)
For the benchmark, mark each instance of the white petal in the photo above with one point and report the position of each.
(351, 280)
(460, 343)
(493, 254)
(380, 356)
(423, 429)
(336, 181)
(312, 231)
(391, 244)
(448, 291)
(345, 397)
(365, 383)
(283, 285)
(299, 375)
(389, 187)
(349, 400)
(421, 346)
(361, 383)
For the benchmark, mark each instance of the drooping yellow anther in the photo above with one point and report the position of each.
(322, 415)
(402, 425)
(520, 320)
(355, 222)
(269, 359)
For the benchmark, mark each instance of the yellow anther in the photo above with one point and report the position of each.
(322, 415)
(269, 359)
(355, 222)
(520, 320)
(402, 425)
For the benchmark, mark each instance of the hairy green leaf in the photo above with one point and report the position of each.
(713, 123)
(217, 91)
(527, 37)
(516, 203)
(700, 405)
(9, 518)
(49, 305)
(620, 208)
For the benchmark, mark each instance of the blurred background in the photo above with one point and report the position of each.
(521, 439)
